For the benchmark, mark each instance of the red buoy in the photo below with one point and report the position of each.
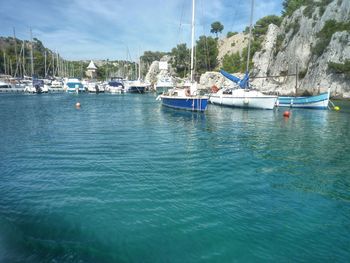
(286, 114)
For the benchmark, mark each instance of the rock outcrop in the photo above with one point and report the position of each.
(154, 73)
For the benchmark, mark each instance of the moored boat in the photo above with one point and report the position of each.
(73, 85)
(115, 86)
(184, 99)
(135, 86)
(243, 98)
(187, 98)
(320, 101)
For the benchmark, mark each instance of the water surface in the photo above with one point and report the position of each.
(123, 179)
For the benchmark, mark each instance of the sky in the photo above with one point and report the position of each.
(123, 29)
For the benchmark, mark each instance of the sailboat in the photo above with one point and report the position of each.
(136, 86)
(243, 96)
(188, 98)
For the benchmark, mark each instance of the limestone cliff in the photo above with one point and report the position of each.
(298, 36)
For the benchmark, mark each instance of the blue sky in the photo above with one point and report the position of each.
(122, 29)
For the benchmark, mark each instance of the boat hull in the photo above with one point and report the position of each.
(133, 89)
(312, 102)
(263, 102)
(185, 103)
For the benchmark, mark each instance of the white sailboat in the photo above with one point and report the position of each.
(188, 98)
(243, 96)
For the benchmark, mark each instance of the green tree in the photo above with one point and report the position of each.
(230, 34)
(216, 28)
(180, 59)
(289, 6)
(261, 26)
(232, 62)
(206, 54)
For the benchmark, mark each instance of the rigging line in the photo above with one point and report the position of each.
(180, 25)
(206, 48)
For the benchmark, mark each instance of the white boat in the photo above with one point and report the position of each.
(135, 86)
(57, 84)
(115, 85)
(243, 98)
(94, 87)
(242, 95)
(188, 98)
(4, 85)
(73, 85)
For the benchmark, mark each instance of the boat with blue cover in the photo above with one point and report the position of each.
(74, 85)
(320, 101)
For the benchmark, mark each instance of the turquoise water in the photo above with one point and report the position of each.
(124, 180)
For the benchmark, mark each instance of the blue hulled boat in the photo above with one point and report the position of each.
(311, 102)
(187, 98)
(182, 99)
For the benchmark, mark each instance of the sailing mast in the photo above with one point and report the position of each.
(192, 40)
(31, 53)
(250, 35)
(14, 38)
(45, 64)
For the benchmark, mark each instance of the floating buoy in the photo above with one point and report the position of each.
(286, 114)
(336, 108)
(77, 105)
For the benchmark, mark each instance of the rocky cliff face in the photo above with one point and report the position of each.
(154, 73)
(294, 54)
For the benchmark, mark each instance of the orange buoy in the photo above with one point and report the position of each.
(286, 114)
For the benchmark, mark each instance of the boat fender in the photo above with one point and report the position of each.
(214, 89)
(187, 92)
(336, 108)
(245, 101)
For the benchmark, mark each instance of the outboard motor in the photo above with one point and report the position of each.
(38, 89)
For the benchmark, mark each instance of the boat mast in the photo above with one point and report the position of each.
(250, 34)
(139, 68)
(45, 64)
(15, 42)
(31, 53)
(192, 40)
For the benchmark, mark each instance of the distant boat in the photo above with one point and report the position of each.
(320, 101)
(4, 85)
(243, 96)
(74, 85)
(135, 86)
(94, 87)
(115, 86)
(187, 98)
(36, 86)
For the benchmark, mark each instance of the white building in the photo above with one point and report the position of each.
(91, 70)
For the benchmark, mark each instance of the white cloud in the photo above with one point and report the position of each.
(83, 29)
